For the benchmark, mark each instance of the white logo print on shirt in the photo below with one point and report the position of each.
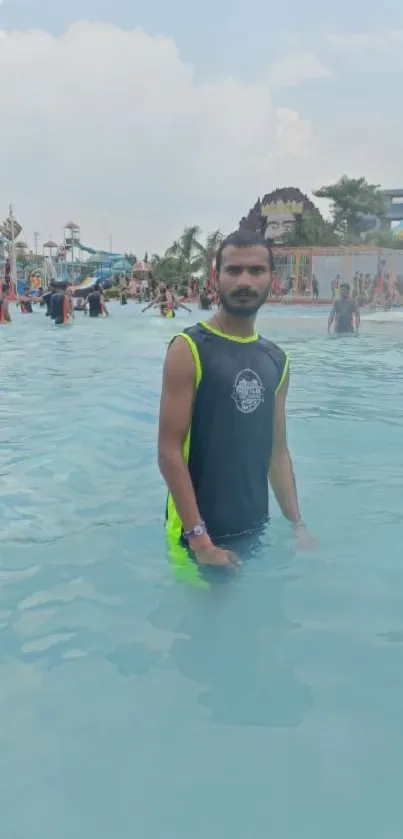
(248, 391)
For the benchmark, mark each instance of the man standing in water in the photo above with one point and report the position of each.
(344, 313)
(61, 305)
(222, 428)
(47, 298)
(95, 302)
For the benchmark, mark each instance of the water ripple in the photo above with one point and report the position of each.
(120, 685)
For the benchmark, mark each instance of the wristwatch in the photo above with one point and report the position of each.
(199, 530)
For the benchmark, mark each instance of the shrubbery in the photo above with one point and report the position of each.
(112, 294)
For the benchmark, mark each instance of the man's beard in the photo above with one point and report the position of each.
(230, 304)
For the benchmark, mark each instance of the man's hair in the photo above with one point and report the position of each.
(243, 239)
(345, 285)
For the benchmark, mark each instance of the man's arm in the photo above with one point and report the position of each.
(178, 390)
(281, 472)
(331, 317)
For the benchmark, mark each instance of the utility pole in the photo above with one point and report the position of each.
(36, 237)
(13, 260)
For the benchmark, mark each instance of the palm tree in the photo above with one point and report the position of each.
(131, 257)
(188, 251)
(167, 269)
(208, 252)
(186, 257)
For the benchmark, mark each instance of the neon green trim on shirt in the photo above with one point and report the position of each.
(236, 338)
(284, 375)
(174, 525)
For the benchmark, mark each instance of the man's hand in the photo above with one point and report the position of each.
(304, 541)
(209, 554)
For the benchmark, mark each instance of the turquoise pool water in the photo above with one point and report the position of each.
(134, 706)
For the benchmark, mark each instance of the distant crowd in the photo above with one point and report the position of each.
(373, 290)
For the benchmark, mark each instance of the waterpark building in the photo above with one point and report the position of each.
(274, 216)
(393, 199)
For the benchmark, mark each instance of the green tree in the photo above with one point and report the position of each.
(208, 252)
(188, 251)
(185, 257)
(167, 269)
(383, 239)
(352, 201)
(312, 230)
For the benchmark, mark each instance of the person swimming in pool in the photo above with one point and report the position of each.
(165, 301)
(345, 313)
(222, 425)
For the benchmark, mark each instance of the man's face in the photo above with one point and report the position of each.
(345, 292)
(244, 279)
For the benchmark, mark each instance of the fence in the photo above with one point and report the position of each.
(328, 263)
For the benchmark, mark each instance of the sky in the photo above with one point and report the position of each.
(134, 119)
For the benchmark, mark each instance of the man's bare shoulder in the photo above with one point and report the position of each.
(179, 361)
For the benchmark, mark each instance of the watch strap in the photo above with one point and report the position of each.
(198, 530)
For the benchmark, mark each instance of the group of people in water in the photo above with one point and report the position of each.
(61, 306)
(167, 301)
(373, 291)
(58, 302)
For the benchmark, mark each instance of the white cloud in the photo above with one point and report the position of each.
(294, 136)
(386, 42)
(111, 128)
(297, 68)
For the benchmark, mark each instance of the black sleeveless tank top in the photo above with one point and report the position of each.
(229, 443)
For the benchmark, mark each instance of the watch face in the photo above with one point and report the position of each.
(199, 530)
